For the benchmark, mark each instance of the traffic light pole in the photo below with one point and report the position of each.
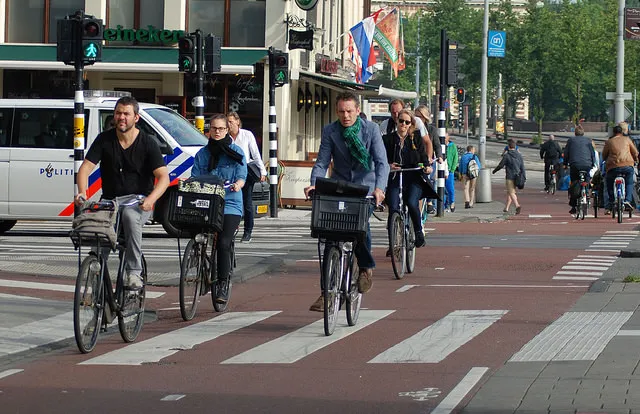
(441, 120)
(79, 141)
(199, 99)
(273, 144)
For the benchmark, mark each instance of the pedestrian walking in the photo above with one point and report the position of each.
(245, 139)
(470, 169)
(513, 164)
(450, 179)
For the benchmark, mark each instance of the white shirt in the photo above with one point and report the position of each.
(247, 142)
(419, 126)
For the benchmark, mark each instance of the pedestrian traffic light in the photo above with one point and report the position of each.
(460, 95)
(280, 69)
(452, 62)
(212, 54)
(187, 54)
(66, 39)
(92, 35)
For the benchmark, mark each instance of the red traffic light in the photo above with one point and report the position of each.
(460, 91)
(185, 44)
(91, 29)
(281, 60)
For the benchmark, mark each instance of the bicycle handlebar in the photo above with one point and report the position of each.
(420, 167)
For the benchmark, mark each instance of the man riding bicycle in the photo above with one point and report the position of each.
(620, 155)
(550, 152)
(130, 162)
(579, 155)
(358, 154)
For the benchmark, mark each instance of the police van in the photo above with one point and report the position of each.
(36, 153)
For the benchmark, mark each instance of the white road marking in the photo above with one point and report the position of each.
(296, 345)
(451, 401)
(576, 278)
(602, 250)
(405, 288)
(575, 336)
(56, 287)
(585, 268)
(437, 341)
(628, 332)
(510, 286)
(571, 272)
(8, 372)
(162, 346)
(591, 256)
(34, 334)
(623, 232)
(578, 262)
(173, 397)
(539, 215)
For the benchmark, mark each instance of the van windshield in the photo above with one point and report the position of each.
(179, 128)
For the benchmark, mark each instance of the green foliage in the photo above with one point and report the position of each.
(562, 56)
(631, 279)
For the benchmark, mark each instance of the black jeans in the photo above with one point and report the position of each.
(231, 223)
(247, 204)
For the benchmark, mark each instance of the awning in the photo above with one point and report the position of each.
(340, 84)
(124, 59)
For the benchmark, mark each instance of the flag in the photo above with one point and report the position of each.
(388, 35)
(362, 35)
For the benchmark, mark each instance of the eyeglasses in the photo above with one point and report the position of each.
(220, 129)
(404, 121)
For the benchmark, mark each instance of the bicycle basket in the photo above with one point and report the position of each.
(96, 220)
(339, 217)
(197, 205)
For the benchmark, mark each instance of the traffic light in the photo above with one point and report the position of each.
(92, 35)
(212, 54)
(187, 54)
(66, 38)
(452, 62)
(460, 95)
(280, 69)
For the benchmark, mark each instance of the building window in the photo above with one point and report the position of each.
(247, 23)
(208, 16)
(134, 14)
(24, 16)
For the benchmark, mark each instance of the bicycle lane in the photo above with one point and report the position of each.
(279, 360)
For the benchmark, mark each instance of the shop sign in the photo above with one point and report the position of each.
(326, 65)
(306, 4)
(632, 23)
(148, 35)
(301, 40)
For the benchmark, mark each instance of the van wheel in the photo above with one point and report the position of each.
(6, 225)
(164, 217)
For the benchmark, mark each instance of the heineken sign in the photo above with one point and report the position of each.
(148, 35)
(306, 4)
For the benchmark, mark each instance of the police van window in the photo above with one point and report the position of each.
(6, 116)
(106, 120)
(179, 128)
(45, 128)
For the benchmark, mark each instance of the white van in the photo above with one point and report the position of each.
(36, 154)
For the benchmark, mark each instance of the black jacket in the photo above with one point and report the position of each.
(579, 153)
(513, 164)
(411, 158)
(550, 151)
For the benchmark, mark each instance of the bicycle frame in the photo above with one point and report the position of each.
(620, 188)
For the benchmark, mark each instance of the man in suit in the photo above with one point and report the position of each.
(359, 157)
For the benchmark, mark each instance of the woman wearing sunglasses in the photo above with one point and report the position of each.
(405, 149)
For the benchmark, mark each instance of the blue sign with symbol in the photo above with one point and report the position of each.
(497, 43)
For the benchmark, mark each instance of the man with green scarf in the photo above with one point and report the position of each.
(356, 148)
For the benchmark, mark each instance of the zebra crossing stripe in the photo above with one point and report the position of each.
(162, 346)
(585, 267)
(34, 334)
(298, 344)
(437, 341)
(57, 287)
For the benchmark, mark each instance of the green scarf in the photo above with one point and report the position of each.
(356, 147)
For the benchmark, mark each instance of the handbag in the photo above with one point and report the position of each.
(253, 171)
(519, 180)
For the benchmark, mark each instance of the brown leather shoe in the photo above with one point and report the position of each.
(364, 280)
(318, 305)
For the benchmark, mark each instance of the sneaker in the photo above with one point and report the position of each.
(246, 237)
(628, 206)
(431, 209)
(607, 212)
(573, 210)
(134, 282)
(467, 205)
(453, 207)
(318, 305)
(222, 292)
(364, 280)
(518, 209)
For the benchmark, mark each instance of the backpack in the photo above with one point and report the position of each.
(472, 169)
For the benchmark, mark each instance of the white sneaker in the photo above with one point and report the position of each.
(134, 282)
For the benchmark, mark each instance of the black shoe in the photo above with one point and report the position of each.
(222, 291)
(467, 205)
(420, 241)
(628, 206)
(246, 237)
(573, 210)
(431, 210)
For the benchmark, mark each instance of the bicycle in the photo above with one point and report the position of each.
(339, 223)
(198, 267)
(402, 236)
(553, 180)
(619, 196)
(582, 202)
(95, 302)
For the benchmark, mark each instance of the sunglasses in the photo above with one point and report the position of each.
(404, 121)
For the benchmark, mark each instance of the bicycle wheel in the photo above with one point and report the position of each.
(411, 246)
(595, 205)
(131, 315)
(190, 280)
(552, 186)
(423, 212)
(584, 205)
(88, 304)
(331, 288)
(227, 284)
(397, 245)
(354, 297)
(620, 208)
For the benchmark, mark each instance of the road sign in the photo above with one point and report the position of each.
(611, 112)
(612, 95)
(499, 101)
(497, 43)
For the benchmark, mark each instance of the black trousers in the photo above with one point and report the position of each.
(231, 223)
(247, 204)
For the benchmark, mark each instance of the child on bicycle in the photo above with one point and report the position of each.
(226, 160)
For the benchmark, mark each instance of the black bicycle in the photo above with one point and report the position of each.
(553, 179)
(583, 200)
(96, 303)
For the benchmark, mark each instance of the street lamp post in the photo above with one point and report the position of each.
(483, 195)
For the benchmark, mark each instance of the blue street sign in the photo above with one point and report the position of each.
(497, 43)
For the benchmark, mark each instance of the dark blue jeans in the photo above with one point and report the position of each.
(247, 205)
(412, 191)
(363, 250)
(627, 174)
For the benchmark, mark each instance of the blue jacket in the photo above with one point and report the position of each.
(333, 146)
(227, 169)
(464, 162)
